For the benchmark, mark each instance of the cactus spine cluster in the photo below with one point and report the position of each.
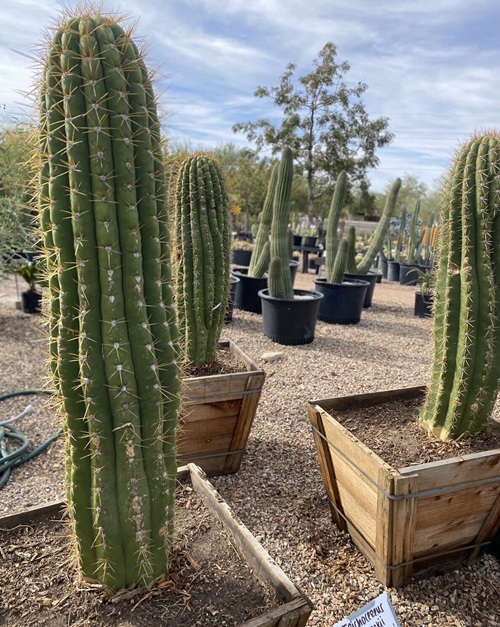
(113, 335)
(336, 206)
(466, 365)
(280, 278)
(203, 239)
(377, 240)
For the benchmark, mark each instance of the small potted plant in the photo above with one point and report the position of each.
(424, 296)
(30, 271)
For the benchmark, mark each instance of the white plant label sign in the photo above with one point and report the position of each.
(376, 613)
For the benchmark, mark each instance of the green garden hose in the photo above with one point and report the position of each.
(8, 461)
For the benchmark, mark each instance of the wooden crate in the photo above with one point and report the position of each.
(217, 414)
(292, 607)
(409, 522)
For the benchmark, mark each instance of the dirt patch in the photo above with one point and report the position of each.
(208, 583)
(391, 430)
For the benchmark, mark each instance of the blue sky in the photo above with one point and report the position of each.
(431, 66)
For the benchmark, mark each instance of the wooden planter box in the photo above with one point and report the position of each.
(217, 415)
(292, 608)
(409, 522)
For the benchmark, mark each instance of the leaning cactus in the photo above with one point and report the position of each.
(280, 285)
(112, 324)
(351, 250)
(466, 367)
(378, 237)
(336, 206)
(259, 261)
(203, 240)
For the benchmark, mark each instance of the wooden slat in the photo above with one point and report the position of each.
(326, 466)
(256, 556)
(369, 399)
(403, 529)
(384, 540)
(488, 530)
(295, 613)
(209, 410)
(26, 516)
(248, 410)
(451, 472)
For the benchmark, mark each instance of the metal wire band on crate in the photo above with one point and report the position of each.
(410, 562)
(413, 495)
(192, 458)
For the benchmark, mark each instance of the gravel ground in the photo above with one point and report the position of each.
(278, 492)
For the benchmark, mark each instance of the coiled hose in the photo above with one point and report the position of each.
(8, 461)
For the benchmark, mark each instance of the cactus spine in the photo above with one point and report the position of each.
(336, 206)
(466, 366)
(280, 278)
(378, 237)
(112, 324)
(203, 239)
(259, 261)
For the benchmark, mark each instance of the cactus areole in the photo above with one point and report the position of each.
(112, 326)
(203, 240)
(466, 366)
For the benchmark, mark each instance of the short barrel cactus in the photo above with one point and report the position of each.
(113, 334)
(466, 365)
(203, 240)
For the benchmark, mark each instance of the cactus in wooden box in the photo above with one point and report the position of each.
(112, 325)
(280, 278)
(203, 240)
(466, 365)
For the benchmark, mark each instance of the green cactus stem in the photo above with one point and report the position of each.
(340, 265)
(378, 237)
(203, 239)
(336, 206)
(281, 284)
(414, 237)
(113, 336)
(259, 261)
(401, 236)
(466, 364)
(351, 251)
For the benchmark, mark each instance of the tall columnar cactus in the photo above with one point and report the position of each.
(113, 334)
(414, 236)
(401, 236)
(466, 367)
(280, 285)
(378, 237)
(203, 240)
(351, 255)
(259, 261)
(336, 206)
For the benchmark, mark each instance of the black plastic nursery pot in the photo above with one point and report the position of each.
(247, 291)
(423, 305)
(342, 303)
(290, 321)
(393, 271)
(309, 241)
(297, 240)
(241, 257)
(383, 267)
(31, 302)
(408, 273)
(246, 296)
(371, 278)
(228, 317)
